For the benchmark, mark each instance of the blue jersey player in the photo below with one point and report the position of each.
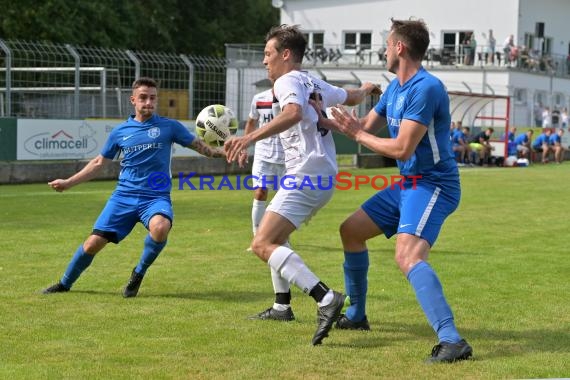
(145, 142)
(415, 106)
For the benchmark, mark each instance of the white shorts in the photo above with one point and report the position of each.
(268, 170)
(298, 206)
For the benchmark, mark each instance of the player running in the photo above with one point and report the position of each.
(143, 191)
(309, 153)
(415, 107)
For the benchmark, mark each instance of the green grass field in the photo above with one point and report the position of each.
(502, 258)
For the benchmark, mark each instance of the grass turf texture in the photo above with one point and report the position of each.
(502, 259)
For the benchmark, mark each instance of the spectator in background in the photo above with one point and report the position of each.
(508, 46)
(555, 143)
(452, 129)
(469, 152)
(473, 48)
(511, 137)
(555, 118)
(460, 147)
(482, 146)
(523, 143)
(546, 121)
(537, 112)
(511, 145)
(469, 46)
(490, 48)
(541, 144)
(564, 118)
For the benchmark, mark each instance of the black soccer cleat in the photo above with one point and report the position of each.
(276, 315)
(344, 323)
(133, 286)
(57, 288)
(326, 316)
(445, 352)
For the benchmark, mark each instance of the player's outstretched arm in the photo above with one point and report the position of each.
(356, 96)
(90, 171)
(400, 148)
(289, 116)
(206, 150)
(250, 126)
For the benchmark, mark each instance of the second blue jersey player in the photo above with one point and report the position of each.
(143, 190)
(415, 107)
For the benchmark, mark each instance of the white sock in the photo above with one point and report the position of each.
(293, 269)
(281, 307)
(327, 299)
(257, 211)
(280, 285)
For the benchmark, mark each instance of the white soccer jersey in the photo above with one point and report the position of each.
(268, 149)
(309, 151)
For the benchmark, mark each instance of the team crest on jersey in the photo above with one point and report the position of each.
(154, 132)
(400, 102)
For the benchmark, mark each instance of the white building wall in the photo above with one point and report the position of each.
(555, 14)
(337, 16)
(504, 17)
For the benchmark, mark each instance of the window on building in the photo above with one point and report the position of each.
(357, 40)
(529, 41)
(453, 39)
(315, 39)
(520, 96)
(547, 45)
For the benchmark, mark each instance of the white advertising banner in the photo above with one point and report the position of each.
(48, 139)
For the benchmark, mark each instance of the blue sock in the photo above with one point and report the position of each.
(79, 262)
(356, 283)
(150, 252)
(430, 296)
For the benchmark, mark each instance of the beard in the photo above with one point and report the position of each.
(393, 65)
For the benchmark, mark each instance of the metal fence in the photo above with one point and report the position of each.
(60, 81)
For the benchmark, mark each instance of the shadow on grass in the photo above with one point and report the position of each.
(217, 295)
(495, 343)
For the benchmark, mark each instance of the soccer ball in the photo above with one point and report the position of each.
(215, 123)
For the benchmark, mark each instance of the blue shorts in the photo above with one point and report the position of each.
(123, 211)
(420, 211)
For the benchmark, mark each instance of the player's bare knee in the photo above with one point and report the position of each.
(159, 229)
(347, 233)
(260, 248)
(404, 261)
(94, 244)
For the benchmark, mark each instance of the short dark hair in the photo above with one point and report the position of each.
(414, 34)
(289, 37)
(144, 81)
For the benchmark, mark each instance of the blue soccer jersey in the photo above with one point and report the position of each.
(147, 149)
(511, 137)
(521, 139)
(458, 137)
(554, 139)
(541, 139)
(423, 99)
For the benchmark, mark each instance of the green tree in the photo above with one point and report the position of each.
(200, 27)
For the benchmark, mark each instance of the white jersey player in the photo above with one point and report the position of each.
(309, 153)
(268, 160)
